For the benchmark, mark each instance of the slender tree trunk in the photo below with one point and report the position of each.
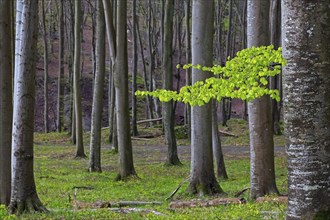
(6, 106)
(262, 173)
(188, 60)
(306, 81)
(24, 196)
(148, 98)
(126, 167)
(60, 79)
(168, 113)
(76, 81)
(95, 145)
(134, 72)
(202, 180)
(44, 26)
(220, 168)
(275, 38)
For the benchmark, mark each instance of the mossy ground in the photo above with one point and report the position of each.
(57, 173)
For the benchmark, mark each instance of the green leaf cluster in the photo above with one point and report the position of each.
(245, 77)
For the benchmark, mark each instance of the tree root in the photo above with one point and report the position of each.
(29, 205)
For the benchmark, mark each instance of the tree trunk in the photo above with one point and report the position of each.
(6, 106)
(76, 81)
(220, 168)
(202, 179)
(46, 129)
(188, 60)
(60, 79)
(122, 107)
(95, 145)
(134, 72)
(24, 196)
(275, 38)
(168, 113)
(306, 78)
(262, 173)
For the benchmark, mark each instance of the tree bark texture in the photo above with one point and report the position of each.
(202, 179)
(95, 144)
(76, 81)
(126, 167)
(23, 193)
(44, 26)
(262, 171)
(168, 111)
(306, 78)
(6, 106)
(134, 71)
(60, 79)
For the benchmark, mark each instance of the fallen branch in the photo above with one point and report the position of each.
(149, 120)
(227, 133)
(278, 199)
(128, 210)
(107, 204)
(177, 189)
(238, 194)
(83, 187)
(140, 139)
(205, 203)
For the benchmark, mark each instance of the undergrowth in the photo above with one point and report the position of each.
(59, 177)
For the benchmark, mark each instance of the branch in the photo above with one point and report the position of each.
(177, 189)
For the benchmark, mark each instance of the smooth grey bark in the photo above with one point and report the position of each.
(6, 105)
(24, 196)
(109, 13)
(60, 77)
(262, 171)
(168, 110)
(306, 80)
(220, 168)
(44, 28)
(202, 178)
(126, 166)
(134, 71)
(95, 142)
(76, 81)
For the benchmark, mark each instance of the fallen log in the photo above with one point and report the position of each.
(277, 199)
(205, 203)
(227, 133)
(129, 210)
(107, 204)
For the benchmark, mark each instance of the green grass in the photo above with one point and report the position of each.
(57, 173)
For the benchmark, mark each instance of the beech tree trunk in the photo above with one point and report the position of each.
(306, 80)
(168, 111)
(202, 180)
(24, 196)
(126, 167)
(95, 144)
(76, 81)
(134, 71)
(46, 129)
(6, 106)
(262, 173)
(220, 168)
(60, 79)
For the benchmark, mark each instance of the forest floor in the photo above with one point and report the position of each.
(69, 191)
